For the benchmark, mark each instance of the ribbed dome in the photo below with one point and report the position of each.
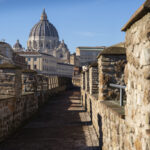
(44, 28)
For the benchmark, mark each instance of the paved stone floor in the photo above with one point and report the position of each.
(62, 124)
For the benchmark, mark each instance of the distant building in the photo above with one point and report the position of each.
(45, 53)
(77, 71)
(41, 62)
(65, 69)
(44, 38)
(74, 60)
(87, 55)
(18, 47)
(61, 53)
(6, 53)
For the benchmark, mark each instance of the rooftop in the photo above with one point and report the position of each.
(33, 53)
(91, 48)
(29, 52)
(117, 49)
(65, 64)
(144, 9)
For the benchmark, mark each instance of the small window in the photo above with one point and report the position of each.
(34, 66)
(29, 59)
(35, 59)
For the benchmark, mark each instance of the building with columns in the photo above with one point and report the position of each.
(41, 62)
(44, 38)
(45, 52)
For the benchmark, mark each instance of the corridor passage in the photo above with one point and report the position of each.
(61, 124)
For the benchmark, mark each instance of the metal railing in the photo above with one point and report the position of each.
(121, 87)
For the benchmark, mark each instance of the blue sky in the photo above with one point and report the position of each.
(79, 22)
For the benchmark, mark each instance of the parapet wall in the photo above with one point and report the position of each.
(111, 70)
(137, 73)
(108, 120)
(122, 127)
(21, 95)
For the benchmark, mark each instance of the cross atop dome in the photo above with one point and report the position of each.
(44, 15)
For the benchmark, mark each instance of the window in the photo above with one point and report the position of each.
(47, 45)
(34, 66)
(29, 59)
(35, 58)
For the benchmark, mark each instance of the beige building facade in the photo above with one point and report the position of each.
(65, 69)
(45, 53)
(87, 55)
(40, 62)
(44, 38)
(74, 60)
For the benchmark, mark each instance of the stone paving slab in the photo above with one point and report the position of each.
(62, 124)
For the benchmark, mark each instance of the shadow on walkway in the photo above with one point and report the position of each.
(62, 124)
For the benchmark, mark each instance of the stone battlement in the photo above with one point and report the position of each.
(122, 127)
(22, 93)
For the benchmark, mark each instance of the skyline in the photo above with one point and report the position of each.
(79, 23)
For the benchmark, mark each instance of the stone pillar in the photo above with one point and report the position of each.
(83, 81)
(137, 76)
(93, 80)
(87, 80)
(90, 80)
(10, 80)
(111, 64)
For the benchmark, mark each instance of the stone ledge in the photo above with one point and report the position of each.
(118, 110)
(27, 93)
(9, 66)
(29, 71)
(4, 97)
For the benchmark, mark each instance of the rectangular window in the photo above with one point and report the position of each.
(29, 59)
(35, 58)
(35, 67)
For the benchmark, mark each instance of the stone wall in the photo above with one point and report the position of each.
(93, 80)
(108, 120)
(137, 74)
(10, 82)
(14, 111)
(76, 80)
(111, 70)
(87, 80)
(128, 127)
(22, 93)
(29, 83)
(83, 80)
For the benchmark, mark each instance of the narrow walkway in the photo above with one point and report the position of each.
(61, 124)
